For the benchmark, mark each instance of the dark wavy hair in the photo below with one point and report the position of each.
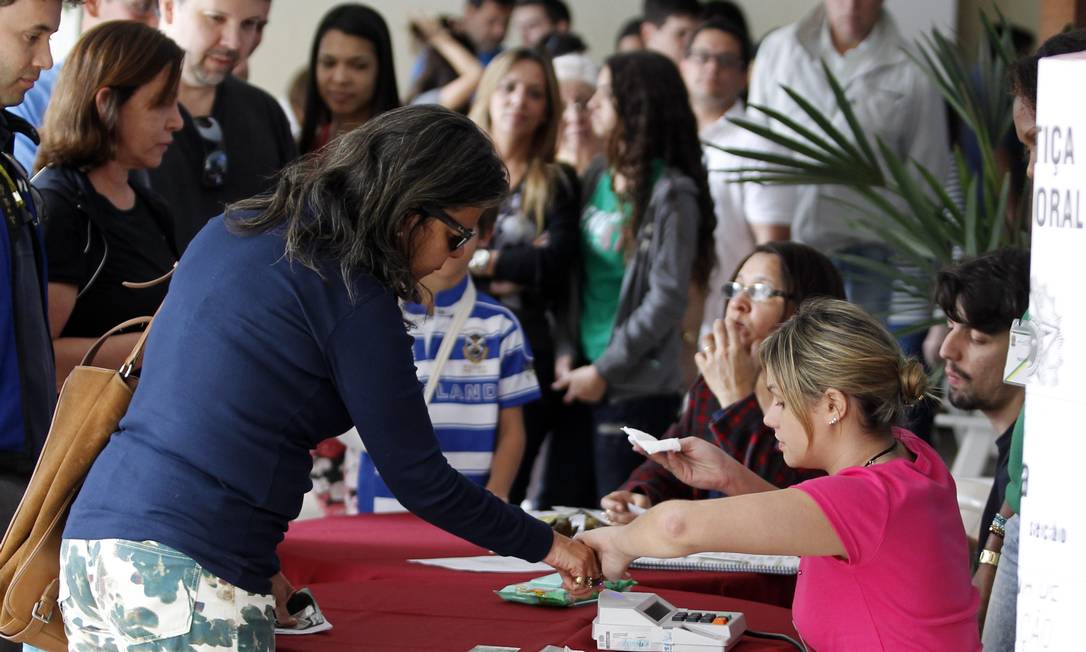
(656, 123)
(351, 202)
(987, 292)
(122, 56)
(365, 23)
(805, 271)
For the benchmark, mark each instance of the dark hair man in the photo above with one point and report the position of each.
(714, 70)
(629, 38)
(981, 297)
(535, 19)
(667, 26)
(236, 136)
(485, 22)
(27, 376)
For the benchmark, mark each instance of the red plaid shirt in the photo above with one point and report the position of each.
(737, 429)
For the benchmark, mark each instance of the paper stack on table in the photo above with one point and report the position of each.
(485, 564)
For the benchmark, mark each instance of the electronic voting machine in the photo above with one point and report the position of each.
(644, 621)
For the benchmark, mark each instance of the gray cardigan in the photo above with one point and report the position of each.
(643, 356)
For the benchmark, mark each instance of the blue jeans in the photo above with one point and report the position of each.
(865, 288)
(615, 458)
(1000, 623)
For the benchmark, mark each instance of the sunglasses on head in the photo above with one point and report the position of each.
(215, 162)
(460, 233)
(755, 291)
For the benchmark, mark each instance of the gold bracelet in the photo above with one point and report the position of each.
(989, 557)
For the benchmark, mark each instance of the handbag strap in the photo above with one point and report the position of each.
(130, 361)
(467, 302)
(88, 358)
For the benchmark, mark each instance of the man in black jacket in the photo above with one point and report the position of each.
(236, 137)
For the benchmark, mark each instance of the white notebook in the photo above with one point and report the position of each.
(724, 562)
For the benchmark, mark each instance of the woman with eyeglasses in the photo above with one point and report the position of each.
(646, 237)
(283, 328)
(352, 76)
(884, 560)
(727, 403)
(526, 263)
(578, 145)
(114, 113)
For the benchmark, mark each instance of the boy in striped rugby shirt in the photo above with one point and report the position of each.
(476, 405)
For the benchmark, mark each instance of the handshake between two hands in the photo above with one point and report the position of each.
(692, 460)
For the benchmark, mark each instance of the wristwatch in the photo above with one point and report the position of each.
(480, 261)
(989, 557)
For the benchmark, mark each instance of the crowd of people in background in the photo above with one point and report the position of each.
(562, 231)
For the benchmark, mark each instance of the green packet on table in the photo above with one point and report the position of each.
(548, 591)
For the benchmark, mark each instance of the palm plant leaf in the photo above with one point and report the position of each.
(900, 201)
(850, 116)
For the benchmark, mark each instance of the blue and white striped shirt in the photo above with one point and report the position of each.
(489, 368)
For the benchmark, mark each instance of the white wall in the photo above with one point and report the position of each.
(292, 23)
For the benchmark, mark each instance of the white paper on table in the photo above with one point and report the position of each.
(650, 444)
(485, 564)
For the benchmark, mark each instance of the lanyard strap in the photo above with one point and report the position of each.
(463, 309)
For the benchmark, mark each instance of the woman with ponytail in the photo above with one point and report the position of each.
(880, 533)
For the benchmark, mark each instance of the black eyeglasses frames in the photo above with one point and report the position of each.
(460, 233)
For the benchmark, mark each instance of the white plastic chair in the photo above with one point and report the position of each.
(976, 441)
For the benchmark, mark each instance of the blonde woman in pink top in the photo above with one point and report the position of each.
(885, 560)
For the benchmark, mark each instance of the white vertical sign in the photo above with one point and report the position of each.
(1052, 570)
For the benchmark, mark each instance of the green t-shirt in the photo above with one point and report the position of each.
(603, 247)
(1013, 493)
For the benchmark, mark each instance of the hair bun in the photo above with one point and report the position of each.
(914, 381)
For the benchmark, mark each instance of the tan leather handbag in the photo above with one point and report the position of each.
(91, 404)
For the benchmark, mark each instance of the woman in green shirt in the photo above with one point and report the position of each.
(646, 235)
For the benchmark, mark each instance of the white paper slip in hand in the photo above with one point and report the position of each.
(650, 444)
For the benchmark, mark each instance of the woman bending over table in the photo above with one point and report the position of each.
(885, 560)
(282, 328)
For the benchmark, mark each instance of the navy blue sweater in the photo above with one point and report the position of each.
(251, 362)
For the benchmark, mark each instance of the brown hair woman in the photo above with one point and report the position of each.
(113, 113)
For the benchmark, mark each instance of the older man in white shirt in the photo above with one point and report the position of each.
(892, 98)
(715, 72)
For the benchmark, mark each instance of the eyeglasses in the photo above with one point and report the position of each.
(142, 8)
(460, 235)
(725, 61)
(215, 162)
(755, 291)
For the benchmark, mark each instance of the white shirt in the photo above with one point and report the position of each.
(737, 205)
(890, 95)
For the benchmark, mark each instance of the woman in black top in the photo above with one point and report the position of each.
(528, 260)
(113, 113)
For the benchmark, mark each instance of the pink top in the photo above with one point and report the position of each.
(906, 583)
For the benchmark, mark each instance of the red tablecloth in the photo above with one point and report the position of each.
(357, 569)
(445, 613)
(376, 546)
